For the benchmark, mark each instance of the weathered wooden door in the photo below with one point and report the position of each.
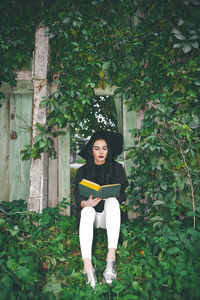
(15, 133)
(15, 126)
(127, 120)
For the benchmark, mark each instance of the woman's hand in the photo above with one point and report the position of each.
(91, 202)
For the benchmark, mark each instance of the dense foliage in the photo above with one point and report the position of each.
(43, 261)
(73, 71)
(165, 176)
(96, 43)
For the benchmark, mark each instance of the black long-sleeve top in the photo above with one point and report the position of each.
(118, 176)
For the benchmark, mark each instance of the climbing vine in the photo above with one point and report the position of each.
(99, 43)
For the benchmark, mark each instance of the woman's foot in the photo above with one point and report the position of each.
(89, 272)
(111, 255)
(90, 277)
(110, 272)
(87, 265)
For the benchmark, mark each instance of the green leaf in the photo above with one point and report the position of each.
(75, 275)
(44, 103)
(180, 22)
(173, 250)
(11, 263)
(195, 45)
(22, 273)
(178, 34)
(66, 20)
(124, 231)
(158, 202)
(52, 287)
(156, 219)
(169, 196)
(38, 138)
(136, 286)
(186, 48)
(66, 35)
(191, 214)
(106, 65)
(163, 185)
(14, 231)
(157, 224)
(177, 45)
(162, 107)
(53, 261)
(194, 37)
(42, 143)
(2, 221)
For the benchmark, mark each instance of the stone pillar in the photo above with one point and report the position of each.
(39, 167)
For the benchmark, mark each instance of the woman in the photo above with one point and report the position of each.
(101, 168)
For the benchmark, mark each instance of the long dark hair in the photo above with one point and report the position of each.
(106, 171)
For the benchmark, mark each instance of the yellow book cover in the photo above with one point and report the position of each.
(87, 188)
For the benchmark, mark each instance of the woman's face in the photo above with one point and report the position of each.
(100, 152)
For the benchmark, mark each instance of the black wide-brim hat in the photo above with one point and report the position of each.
(113, 139)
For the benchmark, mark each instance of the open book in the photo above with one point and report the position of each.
(87, 188)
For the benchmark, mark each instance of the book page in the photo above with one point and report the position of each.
(90, 184)
(110, 184)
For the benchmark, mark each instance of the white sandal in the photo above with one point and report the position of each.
(90, 277)
(110, 272)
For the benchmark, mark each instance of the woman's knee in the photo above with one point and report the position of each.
(88, 212)
(112, 202)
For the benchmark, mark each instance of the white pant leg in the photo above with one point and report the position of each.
(110, 219)
(113, 221)
(86, 230)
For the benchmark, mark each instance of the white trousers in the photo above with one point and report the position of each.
(109, 219)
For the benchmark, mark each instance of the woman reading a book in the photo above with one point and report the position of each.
(97, 212)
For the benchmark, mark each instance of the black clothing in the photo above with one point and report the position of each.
(98, 174)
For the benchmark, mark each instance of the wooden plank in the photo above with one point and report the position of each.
(4, 153)
(119, 108)
(14, 161)
(129, 122)
(22, 87)
(25, 139)
(108, 91)
(64, 168)
(53, 179)
(24, 75)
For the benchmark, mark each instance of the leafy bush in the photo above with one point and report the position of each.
(165, 152)
(165, 176)
(164, 180)
(40, 259)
